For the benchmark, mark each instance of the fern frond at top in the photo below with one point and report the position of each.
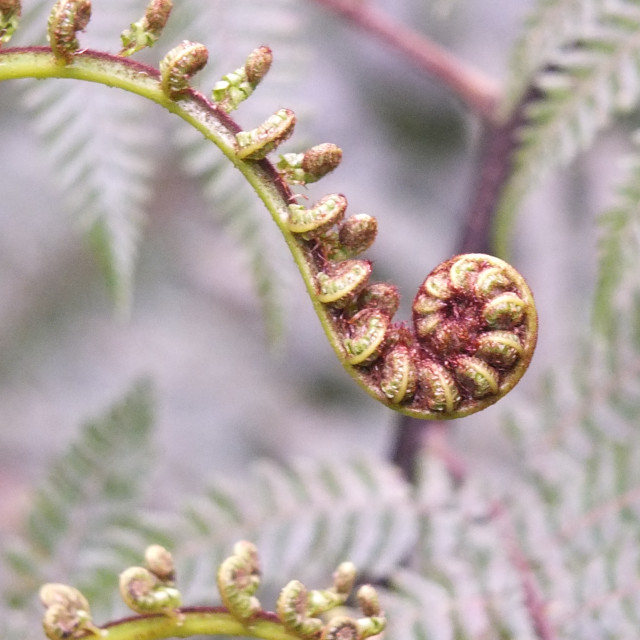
(581, 86)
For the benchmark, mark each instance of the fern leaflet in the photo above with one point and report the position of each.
(80, 528)
(618, 288)
(549, 28)
(582, 85)
(304, 518)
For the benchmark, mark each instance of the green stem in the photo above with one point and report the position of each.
(208, 621)
(194, 108)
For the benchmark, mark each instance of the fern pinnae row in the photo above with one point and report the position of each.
(584, 82)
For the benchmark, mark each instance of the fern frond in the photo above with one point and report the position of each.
(100, 145)
(80, 528)
(465, 560)
(618, 288)
(550, 28)
(577, 506)
(582, 86)
(304, 518)
(418, 607)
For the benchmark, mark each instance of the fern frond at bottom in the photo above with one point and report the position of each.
(80, 524)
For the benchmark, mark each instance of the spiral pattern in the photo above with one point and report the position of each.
(474, 333)
(475, 330)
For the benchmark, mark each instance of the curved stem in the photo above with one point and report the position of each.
(194, 621)
(477, 384)
(195, 109)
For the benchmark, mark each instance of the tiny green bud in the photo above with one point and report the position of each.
(328, 211)
(379, 295)
(238, 579)
(237, 86)
(357, 234)
(320, 160)
(399, 376)
(342, 281)
(258, 64)
(367, 332)
(143, 592)
(341, 628)
(293, 610)
(310, 166)
(344, 577)
(368, 600)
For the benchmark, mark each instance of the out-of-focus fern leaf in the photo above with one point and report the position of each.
(417, 607)
(577, 505)
(551, 26)
(100, 143)
(585, 80)
(80, 529)
(103, 148)
(245, 219)
(305, 519)
(233, 30)
(618, 290)
(464, 581)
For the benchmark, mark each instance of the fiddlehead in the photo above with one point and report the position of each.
(67, 612)
(474, 322)
(237, 86)
(180, 65)
(65, 20)
(238, 579)
(157, 601)
(257, 143)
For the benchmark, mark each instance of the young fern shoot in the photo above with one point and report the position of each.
(151, 593)
(474, 325)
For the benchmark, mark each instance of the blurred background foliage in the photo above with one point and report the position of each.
(228, 391)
